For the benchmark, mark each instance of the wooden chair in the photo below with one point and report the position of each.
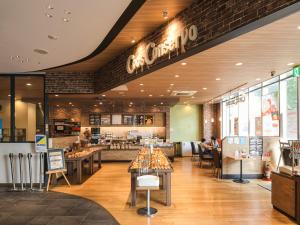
(217, 167)
(195, 153)
(204, 157)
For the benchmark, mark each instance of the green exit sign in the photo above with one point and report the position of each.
(296, 71)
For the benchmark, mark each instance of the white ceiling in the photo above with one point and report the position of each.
(25, 26)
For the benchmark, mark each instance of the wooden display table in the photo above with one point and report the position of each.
(286, 194)
(88, 154)
(161, 167)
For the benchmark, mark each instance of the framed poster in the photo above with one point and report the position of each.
(105, 119)
(148, 119)
(55, 159)
(128, 119)
(116, 119)
(40, 143)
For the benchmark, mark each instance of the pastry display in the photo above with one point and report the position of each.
(82, 153)
(156, 160)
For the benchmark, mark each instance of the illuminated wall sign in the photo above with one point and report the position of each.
(235, 100)
(152, 52)
(296, 71)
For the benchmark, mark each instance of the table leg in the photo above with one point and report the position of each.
(241, 180)
(79, 171)
(133, 189)
(99, 159)
(168, 189)
(91, 164)
(164, 181)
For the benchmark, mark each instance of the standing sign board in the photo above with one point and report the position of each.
(40, 143)
(56, 164)
(56, 159)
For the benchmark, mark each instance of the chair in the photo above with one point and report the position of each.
(217, 167)
(204, 157)
(285, 149)
(195, 153)
(148, 182)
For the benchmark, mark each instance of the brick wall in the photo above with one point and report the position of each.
(211, 129)
(213, 18)
(69, 82)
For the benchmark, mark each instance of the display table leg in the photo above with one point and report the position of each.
(91, 164)
(168, 189)
(99, 159)
(79, 171)
(133, 189)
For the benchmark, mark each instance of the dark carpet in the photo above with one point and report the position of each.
(52, 208)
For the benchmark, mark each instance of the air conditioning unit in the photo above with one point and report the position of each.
(183, 93)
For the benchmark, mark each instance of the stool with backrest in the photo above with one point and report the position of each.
(217, 167)
(195, 152)
(147, 181)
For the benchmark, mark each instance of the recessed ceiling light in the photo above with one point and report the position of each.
(56, 95)
(57, 105)
(165, 15)
(161, 103)
(131, 103)
(154, 105)
(239, 64)
(141, 84)
(52, 37)
(168, 90)
(40, 51)
(257, 79)
(298, 27)
(218, 78)
(142, 90)
(9, 95)
(150, 95)
(161, 95)
(204, 88)
(67, 12)
(171, 84)
(176, 76)
(103, 95)
(28, 84)
(290, 64)
(48, 15)
(183, 63)
(70, 103)
(100, 103)
(132, 41)
(66, 20)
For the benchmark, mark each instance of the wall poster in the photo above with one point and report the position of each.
(270, 114)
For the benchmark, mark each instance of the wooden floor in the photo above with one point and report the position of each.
(197, 198)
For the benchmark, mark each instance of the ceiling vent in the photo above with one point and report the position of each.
(183, 93)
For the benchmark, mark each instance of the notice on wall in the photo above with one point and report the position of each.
(236, 126)
(40, 143)
(56, 159)
(256, 146)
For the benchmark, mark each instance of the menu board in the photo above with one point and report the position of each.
(94, 119)
(139, 119)
(255, 146)
(116, 119)
(105, 119)
(128, 119)
(56, 159)
(148, 119)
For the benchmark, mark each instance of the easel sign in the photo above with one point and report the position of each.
(56, 159)
(56, 164)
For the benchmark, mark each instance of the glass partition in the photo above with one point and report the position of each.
(255, 121)
(5, 109)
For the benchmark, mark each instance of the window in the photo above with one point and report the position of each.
(225, 119)
(5, 109)
(270, 110)
(29, 107)
(243, 115)
(233, 118)
(288, 108)
(255, 120)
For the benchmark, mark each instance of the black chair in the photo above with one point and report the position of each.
(217, 167)
(204, 157)
(195, 153)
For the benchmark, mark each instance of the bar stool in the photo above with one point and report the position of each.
(148, 182)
